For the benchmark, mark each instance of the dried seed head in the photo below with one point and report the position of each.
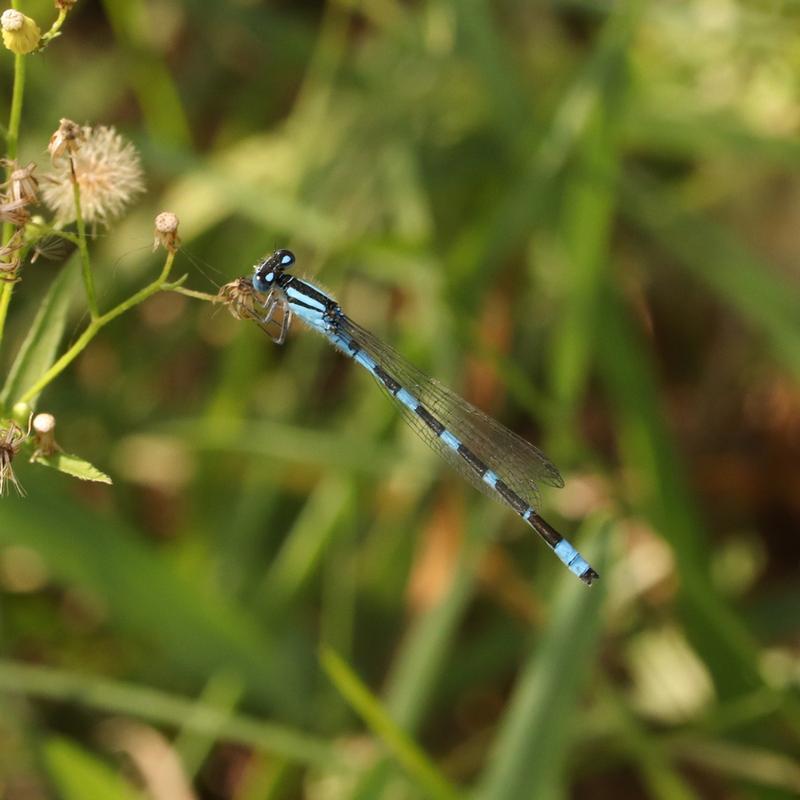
(20, 33)
(13, 211)
(108, 172)
(21, 183)
(12, 20)
(65, 5)
(52, 248)
(166, 232)
(67, 139)
(44, 428)
(239, 297)
(11, 440)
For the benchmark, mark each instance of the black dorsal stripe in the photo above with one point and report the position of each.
(429, 419)
(472, 460)
(301, 287)
(511, 497)
(387, 380)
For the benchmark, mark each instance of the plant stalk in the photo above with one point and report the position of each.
(94, 326)
(12, 141)
(83, 248)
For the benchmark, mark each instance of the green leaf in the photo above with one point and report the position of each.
(529, 752)
(38, 351)
(194, 629)
(421, 661)
(80, 775)
(73, 465)
(587, 220)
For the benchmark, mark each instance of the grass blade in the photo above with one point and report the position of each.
(195, 716)
(416, 763)
(80, 775)
(529, 751)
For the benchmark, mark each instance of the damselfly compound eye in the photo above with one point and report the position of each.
(262, 282)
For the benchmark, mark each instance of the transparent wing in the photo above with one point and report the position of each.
(518, 463)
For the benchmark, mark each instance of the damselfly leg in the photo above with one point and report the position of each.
(277, 300)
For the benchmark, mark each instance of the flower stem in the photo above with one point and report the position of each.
(12, 139)
(94, 326)
(83, 248)
(49, 230)
(209, 298)
(55, 30)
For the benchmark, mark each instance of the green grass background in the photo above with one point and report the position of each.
(582, 215)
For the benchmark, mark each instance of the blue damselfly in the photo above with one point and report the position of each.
(495, 460)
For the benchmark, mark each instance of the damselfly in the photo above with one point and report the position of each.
(495, 460)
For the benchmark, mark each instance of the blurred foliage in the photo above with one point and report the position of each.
(581, 214)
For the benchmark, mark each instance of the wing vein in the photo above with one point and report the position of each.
(520, 465)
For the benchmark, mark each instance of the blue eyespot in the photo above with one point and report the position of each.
(287, 258)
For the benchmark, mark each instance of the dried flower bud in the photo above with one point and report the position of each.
(243, 302)
(166, 232)
(44, 428)
(11, 440)
(21, 183)
(20, 33)
(67, 139)
(13, 211)
(65, 5)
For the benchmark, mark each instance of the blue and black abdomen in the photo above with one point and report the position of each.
(493, 458)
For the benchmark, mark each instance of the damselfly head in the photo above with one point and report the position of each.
(268, 270)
